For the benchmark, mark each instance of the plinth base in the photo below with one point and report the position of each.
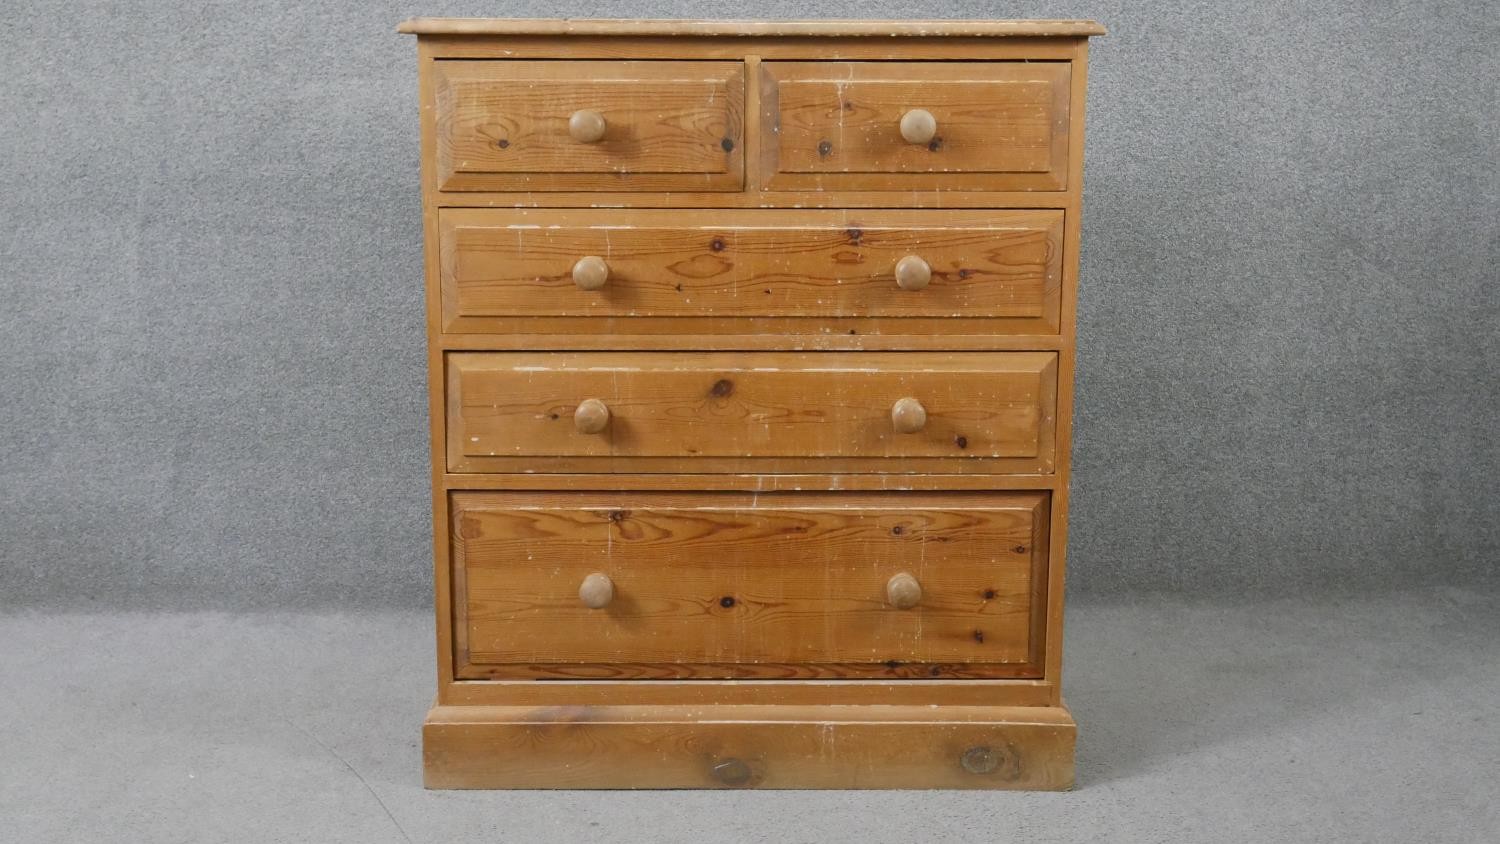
(740, 746)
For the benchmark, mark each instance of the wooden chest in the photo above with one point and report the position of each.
(751, 352)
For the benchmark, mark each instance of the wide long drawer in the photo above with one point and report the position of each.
(756, 412)
(779, 585)
(870, 271)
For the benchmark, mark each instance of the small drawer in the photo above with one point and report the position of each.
(867, 271)
(589, 125)
(721, 585)
(774, 412)
(915, 125)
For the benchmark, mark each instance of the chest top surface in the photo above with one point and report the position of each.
(783, 28)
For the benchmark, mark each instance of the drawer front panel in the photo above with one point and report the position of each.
(719, 585)
(763, 412)
(510, 125)
(738, 270)
(850, 125)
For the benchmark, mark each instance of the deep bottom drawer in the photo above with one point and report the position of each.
(727, 585)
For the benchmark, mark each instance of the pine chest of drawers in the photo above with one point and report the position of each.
(751, 351)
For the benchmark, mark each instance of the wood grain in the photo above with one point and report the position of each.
(732, 48)
(914, 198)
(836, 125)
(670, 125)
(1000, 269)
(726, 585)
(989, 691)
(767, 411)
(992, 747)
(749, 482)
(631, 672)
(437, 445)
(1068, 360)
(773, 334)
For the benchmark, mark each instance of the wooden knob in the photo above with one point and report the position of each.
(591, 417)
(908, 416)
(903, 591)
(981, 760)
(732, 771)
(590, 272)
(596, 591)
(918, 126)
(912, 273)
(586, 126)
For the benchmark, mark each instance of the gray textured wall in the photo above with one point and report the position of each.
(211, 392)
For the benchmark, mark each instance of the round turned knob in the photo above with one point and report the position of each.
(590, 273)
(908, 416)
(591, 417)
(981, 760)
(903, 591)
(912, 273)
(732, 772)
(918, 126)
(596, 591)
(586, 126)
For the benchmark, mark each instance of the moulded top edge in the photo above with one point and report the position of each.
(863, 28)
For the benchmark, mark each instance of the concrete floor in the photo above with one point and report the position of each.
(1363, 719)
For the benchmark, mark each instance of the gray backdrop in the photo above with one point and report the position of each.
(212, 388)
